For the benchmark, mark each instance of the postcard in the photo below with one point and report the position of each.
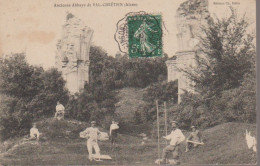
(128, 82)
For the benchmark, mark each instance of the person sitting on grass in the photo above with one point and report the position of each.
(176, 137)
(194, 139)
(60, 111)
(34, 133)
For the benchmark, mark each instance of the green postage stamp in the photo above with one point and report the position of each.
(144, 35)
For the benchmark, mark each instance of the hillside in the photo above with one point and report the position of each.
(224, 144)
(129, 101)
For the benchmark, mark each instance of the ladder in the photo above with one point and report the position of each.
(161, 124)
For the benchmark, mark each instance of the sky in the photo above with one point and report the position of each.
(34, 26)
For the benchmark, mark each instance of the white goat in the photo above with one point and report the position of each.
(251, 141)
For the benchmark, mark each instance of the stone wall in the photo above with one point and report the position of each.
(190, 17)
(72, 55)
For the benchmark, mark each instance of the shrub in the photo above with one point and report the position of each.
(27, 93)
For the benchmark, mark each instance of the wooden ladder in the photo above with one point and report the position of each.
(162, 128)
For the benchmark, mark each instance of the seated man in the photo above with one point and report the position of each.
(34, 133)
(176, 137)
(60, 111)
(194, 139)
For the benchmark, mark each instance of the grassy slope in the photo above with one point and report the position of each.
(64, 147)
(129, 101)
(224, 144)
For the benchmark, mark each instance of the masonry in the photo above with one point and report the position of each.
(72, 55)
(190, 17)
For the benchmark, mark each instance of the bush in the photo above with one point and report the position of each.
(14, 120)
(225, 55)
(242, 102)
(235, 105)
(224, 77)
(161, 92)
(119, 72)
(93, 103)
(27, 93)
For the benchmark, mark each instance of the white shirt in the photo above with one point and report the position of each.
(33, 132)
(113, 126)
(60, 107)
(176, 137)
(93, 133)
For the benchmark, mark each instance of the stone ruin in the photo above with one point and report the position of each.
(72, 55)
(190, 17)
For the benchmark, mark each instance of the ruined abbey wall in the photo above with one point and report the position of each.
(72, 55)
(190, 17)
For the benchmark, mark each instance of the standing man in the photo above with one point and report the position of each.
(113, 131)
(176, 137)
(60, 111)
(194, 139)
(92, 134)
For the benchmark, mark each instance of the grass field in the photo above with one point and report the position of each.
(224, 144)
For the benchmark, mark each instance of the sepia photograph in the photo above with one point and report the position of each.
(128, 82)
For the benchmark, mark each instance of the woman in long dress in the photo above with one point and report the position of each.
(146, 46)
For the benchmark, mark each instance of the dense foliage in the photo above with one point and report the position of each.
(107, 74)
(227, 51)
(119, 72)
(27, 93)
(225, 79)
(158, 92)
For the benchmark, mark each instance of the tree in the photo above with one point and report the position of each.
(97, 63)
(27, 93)
(53, 90)
(224, 77)
(225, 56)
(19, 79)
(162, 92)
(242, 100)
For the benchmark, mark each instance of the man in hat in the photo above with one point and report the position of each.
(92, 135)
(176, 137)
(113, 131)
(194, 139)
(60, 111)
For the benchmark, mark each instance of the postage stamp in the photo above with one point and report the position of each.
(139, 34)
(144, 35)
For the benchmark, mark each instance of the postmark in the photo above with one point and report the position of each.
(140, 35)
